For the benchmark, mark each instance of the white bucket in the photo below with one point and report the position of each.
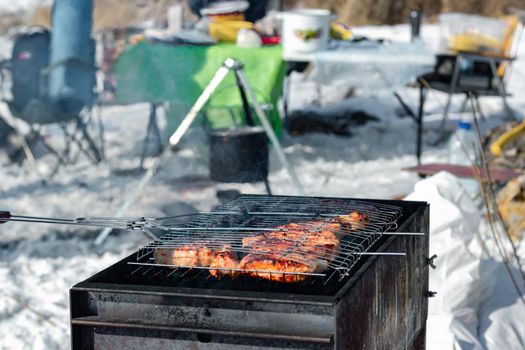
(305, 30)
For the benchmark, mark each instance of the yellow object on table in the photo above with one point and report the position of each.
(340, 31)
(474, 42)
(227, 30)
(237, 16)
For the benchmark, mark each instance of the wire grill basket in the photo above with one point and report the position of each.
(291, 229)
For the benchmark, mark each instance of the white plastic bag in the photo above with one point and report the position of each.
(454, 221)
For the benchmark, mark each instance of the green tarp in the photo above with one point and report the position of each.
(150, 72)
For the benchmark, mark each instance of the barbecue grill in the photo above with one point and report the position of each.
(371, 294)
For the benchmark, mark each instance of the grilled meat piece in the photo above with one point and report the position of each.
(276, 268)
(268, 240)
(298, 247)
(355, 220)
(296, 233)
(196, 254)
(316, 240)
(322, 247)
(303, 247)
(224, 259)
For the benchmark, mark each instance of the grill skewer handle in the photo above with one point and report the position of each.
(118, 223)
(4, 215)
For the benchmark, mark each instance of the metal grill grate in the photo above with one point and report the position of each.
(260, 218)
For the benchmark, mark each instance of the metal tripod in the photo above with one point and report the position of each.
(229, 65)
(236, 67)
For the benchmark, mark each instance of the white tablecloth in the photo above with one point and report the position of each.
(371, 65)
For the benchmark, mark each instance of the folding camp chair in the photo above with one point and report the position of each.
(29, 68)
(475, 75)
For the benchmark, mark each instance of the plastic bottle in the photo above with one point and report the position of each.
(462, 150)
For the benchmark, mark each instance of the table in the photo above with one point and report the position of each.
(157, 73)
(367, 65)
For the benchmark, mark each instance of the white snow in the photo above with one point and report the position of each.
(39, 263)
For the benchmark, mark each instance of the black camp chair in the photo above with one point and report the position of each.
(474, 75)
(482, 79)
(29, 68)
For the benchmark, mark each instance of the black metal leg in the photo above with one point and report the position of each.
(419, 123)
(89, 140)
(70, 138)
(407, 109)
(286, 94)
(246, 106)
(501, 90)
(451, 91)
(156, 133)
(478, 107)
(100, 135)
(267, 186)
(152, 134)
(292, 66)
(62, 159)
(75, 137)
(463, 107)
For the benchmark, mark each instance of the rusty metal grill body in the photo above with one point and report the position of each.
(378, 303)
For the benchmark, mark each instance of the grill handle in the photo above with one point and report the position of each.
(129, 224)
(4, 215)
(102, 322)
(117, 223)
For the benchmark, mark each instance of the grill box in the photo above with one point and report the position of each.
(382, 304)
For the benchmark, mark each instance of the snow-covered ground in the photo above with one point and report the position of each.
(39, 263)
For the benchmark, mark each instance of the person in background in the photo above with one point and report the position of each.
(256, 11)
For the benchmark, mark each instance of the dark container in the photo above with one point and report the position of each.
(415, 24)
(238, 155)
